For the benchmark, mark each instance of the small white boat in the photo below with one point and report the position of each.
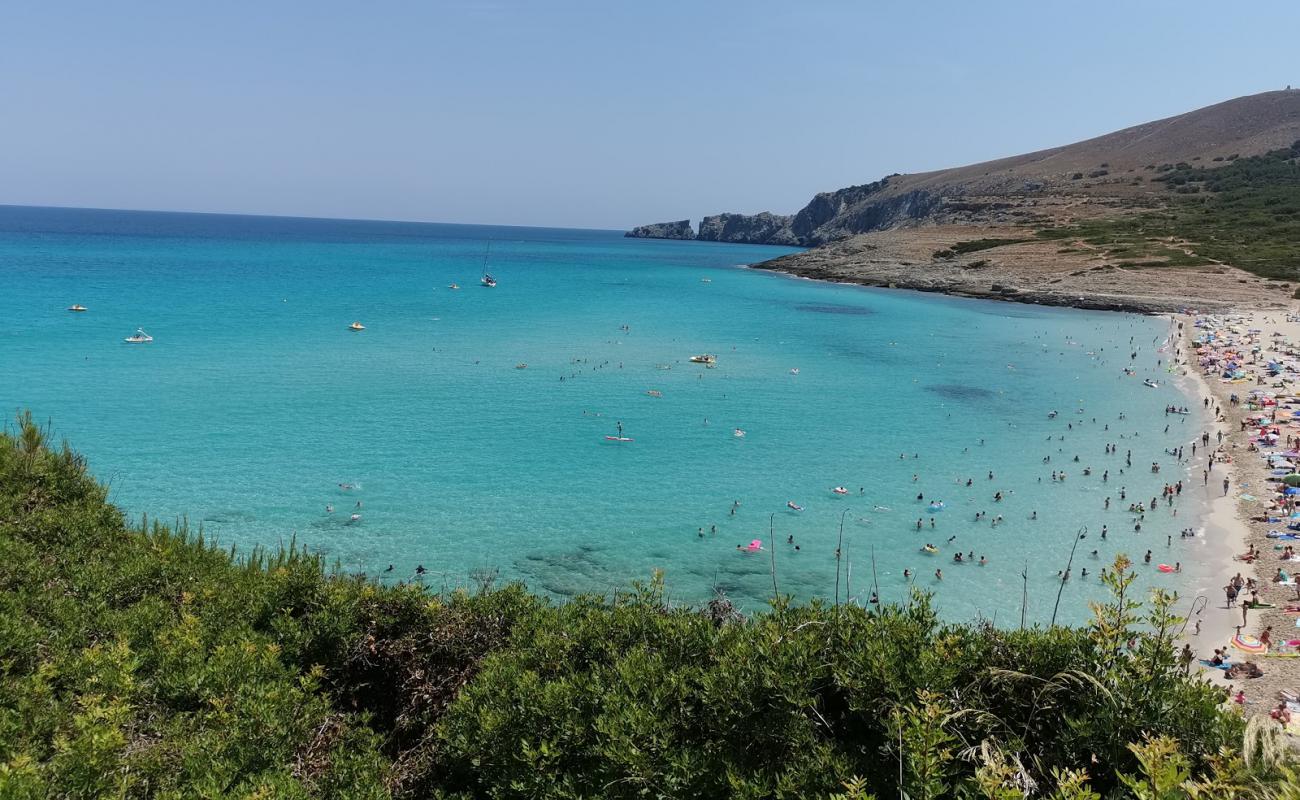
(840, 490)
(76, 307)
(488, 281)
(356, 326)
(706, 280)
(739, 433)
(1151, 383)
(793, 506)
(704, 358)
(794, 370)
(654, 393)
(139, 337)
(521, 365)
(453, 286)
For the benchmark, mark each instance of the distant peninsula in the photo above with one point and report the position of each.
(1200, 210)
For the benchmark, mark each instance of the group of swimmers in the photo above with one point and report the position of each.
(1169, 493)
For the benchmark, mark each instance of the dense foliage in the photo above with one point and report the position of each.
(1242, 211)
(139, 661)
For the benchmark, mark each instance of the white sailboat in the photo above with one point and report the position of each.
(488, 281)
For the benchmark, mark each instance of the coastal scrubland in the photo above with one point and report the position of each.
(1244, 212)
(141, 660)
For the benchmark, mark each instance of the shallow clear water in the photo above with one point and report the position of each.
(255, 402)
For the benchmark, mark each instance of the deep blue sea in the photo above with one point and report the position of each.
(255, 402)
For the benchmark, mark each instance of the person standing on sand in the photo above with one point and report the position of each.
(1225, 487)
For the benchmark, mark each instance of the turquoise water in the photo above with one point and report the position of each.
(255, 402)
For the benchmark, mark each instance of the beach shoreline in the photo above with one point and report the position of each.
(1221, 525)
(1233, 519)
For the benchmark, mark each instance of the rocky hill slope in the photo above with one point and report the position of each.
(1113, 170)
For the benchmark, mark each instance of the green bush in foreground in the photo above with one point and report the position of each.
(143, 662)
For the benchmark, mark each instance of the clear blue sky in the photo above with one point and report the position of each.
(585, 114)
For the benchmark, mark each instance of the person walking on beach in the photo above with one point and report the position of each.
(1225, 487)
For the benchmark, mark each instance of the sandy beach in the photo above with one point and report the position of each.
(1243, 516)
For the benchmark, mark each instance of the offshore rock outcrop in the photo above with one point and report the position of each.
(681, 229)
(762, 228)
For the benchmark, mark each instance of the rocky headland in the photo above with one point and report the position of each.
(1197, 210)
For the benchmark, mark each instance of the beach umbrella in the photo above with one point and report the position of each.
(1249, 644)
(1290, 490)
(1292, 480)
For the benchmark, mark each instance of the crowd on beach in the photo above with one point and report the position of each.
(1249, 363)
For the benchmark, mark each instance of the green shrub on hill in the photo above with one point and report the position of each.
(1244, 212)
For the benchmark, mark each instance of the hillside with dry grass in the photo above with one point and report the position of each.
(1197, 210)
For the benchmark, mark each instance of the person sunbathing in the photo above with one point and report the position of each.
(1281, 714)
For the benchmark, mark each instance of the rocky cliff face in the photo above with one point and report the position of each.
(764, 228)
(681, 229)
(829, 217)
(872, 213)
(808, 224)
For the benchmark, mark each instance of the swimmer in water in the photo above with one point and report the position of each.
(329, 509)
